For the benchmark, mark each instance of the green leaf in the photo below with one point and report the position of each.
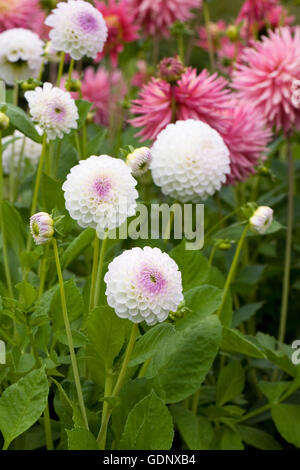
(21, 121)
(83, 109)
(22, 403)
(287, 420)
(149, 426)
(227, 439)
(79, 339)
(52, 194)
(235, 342)
(196, 431)
(245, 313)
(81, 439)
(231, 382)
(77, 246)
(27, 293)
(13, 227)
(203, 301)
(257, 438)
(185, 358)
(94, 145)
(192, 265)
(150, 342)
(273, 390)
(74, 301)
(106, 332)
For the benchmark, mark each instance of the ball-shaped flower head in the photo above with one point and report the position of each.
(18, 150)
(77, 28)
(53, 110)
(41, 228)
(156, 16)
(139, 161)
(266, 75)
(143, 284)
(246, 137)
(21, 53)
(190, 161)
(100, 193)
(261, 220)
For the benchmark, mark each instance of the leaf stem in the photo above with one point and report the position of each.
(60, 68)
(69, 334)
(99, 272)
(208, 33)
(232, 271)
(94, 271)
(288, 245)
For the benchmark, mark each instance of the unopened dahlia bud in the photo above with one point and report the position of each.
(170, 69)
(4, 121)
(139, 161)
(224, 245)
(143, 284)
(73, 85)
(190, 161)
(30, 84)
(53, 110)
(232, 32)
(77, 28)
(261, 219)
(41, 228)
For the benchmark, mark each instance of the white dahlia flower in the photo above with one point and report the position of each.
(21, 53)
(190, 161)
(100, 193)
(143, 284)
(261, 219)
(139, 161)
(17, 150)
(77, 28)
(53, 110)
(41, 228)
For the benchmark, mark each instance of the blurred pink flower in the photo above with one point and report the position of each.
(259, 15)
(156, 16)
(121, 28)
(246, 136)
(202, 97)
(103, 90)
(22, 14)
(216, 31)
(141, 76)
(266, 75)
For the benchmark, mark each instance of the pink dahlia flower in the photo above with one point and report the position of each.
(98, 88)
(120, 26)
(156, 16)
(141, 76)
(246, 136)
(266, 76)
(25, 14)
(258, 15)
(193, 96)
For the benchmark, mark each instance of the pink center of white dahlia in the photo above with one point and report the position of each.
(87, 22)
(102, 186)
(58, 113)
(152, 281)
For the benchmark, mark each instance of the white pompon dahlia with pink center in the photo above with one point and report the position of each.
(143, 285)
(100, 193)
(78, 28)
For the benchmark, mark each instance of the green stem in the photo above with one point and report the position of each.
(43, 272)
(69, 334)
(71, 67)
(208, 33)
(15, 94)
(60, 68)
(94, 272)
(106, 416)
(48, 430)
(214, 227)
(232, 271)
(288, 245)
(195, 402)
(106, 406)
(38, 176)
(99, 272)
(212, 254)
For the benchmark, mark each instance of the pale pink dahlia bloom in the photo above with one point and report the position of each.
(97, 87)
(246, 137)
(121, 28)
(156, 16)
(21, 14)
(203, 97)
(266, 75)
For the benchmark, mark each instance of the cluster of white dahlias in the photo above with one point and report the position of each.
(53, 110)
(190, 161)
(17, 150)
(77, 28)
(21, 53)
(143, 284)
(100, 193)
